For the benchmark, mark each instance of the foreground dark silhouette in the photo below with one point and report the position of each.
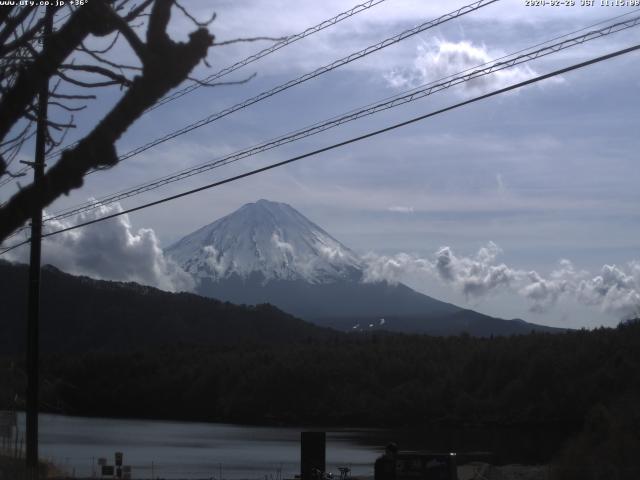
(160, 65)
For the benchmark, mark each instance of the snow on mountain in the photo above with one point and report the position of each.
(269, 238)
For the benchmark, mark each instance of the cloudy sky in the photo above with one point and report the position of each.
(524, 205)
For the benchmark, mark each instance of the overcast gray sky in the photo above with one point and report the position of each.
(511, 186)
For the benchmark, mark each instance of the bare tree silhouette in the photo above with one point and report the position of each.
(69, 58)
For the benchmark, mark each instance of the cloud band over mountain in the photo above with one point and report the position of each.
(109, 250)
(615, 289)
(113, 250)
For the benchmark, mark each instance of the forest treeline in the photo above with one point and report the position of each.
(373, 380)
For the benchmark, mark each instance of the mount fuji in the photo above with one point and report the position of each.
(268, 239)
(268, 252)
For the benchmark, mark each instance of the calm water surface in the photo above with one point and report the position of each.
(167, 449)
(191, 450)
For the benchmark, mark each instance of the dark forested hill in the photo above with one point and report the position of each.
(82, 314)
(372, 380)
(120, 349)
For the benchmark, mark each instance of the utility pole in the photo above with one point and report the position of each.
(33, 308)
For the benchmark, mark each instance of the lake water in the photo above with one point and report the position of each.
(165, 449)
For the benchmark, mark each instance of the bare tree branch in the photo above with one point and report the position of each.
(71, 97)
(108, 47)
(5, 13)
(11, 23)
(157, 29)
(137, 11)
(249, 39)
(60, 46)
(218, 84)
(50, 123)
(121, 5)
(53, 143)
(81, 83)
(95, 55)
(196, 22)
(165, 65)
(67, 107)
(127, 32)
(15, 175)
(23, 39)
(105, 72)
(16, 137)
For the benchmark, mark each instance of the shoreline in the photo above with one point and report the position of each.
(469, 471)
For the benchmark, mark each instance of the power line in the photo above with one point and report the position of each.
(9, 179)
(392, 102)
(262, 53)
(308, 76)
(374, 108)
(280, 141)
(252, 58)
(309, 31)
(341, 144)
(400, 99)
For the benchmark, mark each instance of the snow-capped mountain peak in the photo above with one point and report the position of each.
(269, 238)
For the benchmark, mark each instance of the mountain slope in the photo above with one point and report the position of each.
(268, 252)
(266, 237)
(82, 314)
(342, 297)
(461, 321)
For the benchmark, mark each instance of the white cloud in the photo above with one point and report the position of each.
(214, 261)
(332, 253)
(400, 209)
(502, 189)
(391, 268)
(441, 59)
(542, 293)
(614, 290)
(474, 276)
(287, 248)
(109, 250)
